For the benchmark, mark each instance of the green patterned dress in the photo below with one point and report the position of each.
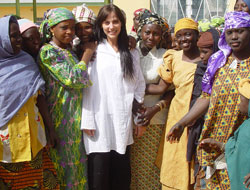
(65, 77)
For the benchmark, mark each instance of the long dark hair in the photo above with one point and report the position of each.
(123, 41)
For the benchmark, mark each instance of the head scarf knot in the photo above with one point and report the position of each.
(152, 18)
(185, 23)
(84, 14)
(218, 60)
(52, 18)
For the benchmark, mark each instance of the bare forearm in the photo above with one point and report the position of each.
(199, 108)
(44, 111)
(87, 55)
(157, 89)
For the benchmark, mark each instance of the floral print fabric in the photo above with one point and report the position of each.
(65, 77)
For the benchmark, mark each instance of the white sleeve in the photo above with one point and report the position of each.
(88, 101)
(140, 85)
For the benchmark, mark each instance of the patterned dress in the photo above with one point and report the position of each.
(145, 174)
(223, 116)
(65, 77)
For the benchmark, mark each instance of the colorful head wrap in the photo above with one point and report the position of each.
(20, 77)
(84, 14)
(139, 12)
(152, 18)
(218, 60)
(25, 24)
(185, 23)
(166, 28)
(52, 18)
(244, 88)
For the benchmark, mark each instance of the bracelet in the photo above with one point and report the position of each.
(161, 104)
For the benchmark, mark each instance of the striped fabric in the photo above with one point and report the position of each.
(36, 174)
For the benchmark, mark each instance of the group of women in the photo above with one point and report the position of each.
(83, 107)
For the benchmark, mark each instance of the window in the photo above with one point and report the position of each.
(173, 10)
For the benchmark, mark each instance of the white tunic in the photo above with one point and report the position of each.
(107, 104)
(149, 65)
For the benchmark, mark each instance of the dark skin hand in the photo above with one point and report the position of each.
(52, 138)
(209, 144)
(132, 42)
(138, 108)
(247, 181)
(89, 49)
(140, 130)
(200, 107)
(244, 102)
(150, 112)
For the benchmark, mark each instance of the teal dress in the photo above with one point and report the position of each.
(238, 155)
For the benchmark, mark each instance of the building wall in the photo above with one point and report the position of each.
(129, 6)
(27, 12)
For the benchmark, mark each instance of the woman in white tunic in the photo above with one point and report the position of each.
(145, 174)
(107, 104)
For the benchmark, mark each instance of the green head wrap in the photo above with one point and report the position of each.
(51, 18)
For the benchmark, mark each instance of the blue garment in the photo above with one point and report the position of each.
(247, 2)
(238, 155)
(19, 75)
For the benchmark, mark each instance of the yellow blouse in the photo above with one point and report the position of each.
(24, 135)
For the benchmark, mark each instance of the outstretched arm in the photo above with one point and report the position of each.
(150, 112)
(157, 89)
(200, 107)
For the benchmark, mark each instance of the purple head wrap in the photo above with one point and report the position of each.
(218, 59)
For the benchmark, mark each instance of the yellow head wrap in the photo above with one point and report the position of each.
(244, 88)
(185, 23)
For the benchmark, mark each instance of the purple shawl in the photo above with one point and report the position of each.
(19, 75)
(218, 59)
